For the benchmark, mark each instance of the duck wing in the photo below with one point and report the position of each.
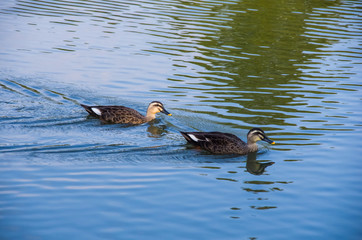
(215, 142)
(115, 114)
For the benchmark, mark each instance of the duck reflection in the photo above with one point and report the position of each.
(256, 167)
(156, 129)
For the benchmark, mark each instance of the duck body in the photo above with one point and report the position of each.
(125, 115)
(116, 114)
(226, 143)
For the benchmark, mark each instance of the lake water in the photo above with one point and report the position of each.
(293, 68)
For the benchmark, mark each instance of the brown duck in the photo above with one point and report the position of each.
(125, 115)
(226, 143)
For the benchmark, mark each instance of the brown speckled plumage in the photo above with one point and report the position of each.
(125, 115)
(226, 143)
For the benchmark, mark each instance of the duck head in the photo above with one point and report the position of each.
(156, 107)
(257, 134)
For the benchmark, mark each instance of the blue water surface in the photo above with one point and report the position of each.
(292, 68)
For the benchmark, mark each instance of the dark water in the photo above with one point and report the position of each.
(293, 68)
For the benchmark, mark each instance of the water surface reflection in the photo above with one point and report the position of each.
(291, 68)
(256, 167)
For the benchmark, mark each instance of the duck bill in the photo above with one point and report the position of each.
(166, 112)
(268, 140)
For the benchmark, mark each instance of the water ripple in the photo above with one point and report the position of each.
(292, 69)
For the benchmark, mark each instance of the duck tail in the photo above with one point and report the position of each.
(187, 137)
(89, 110)
(184, 134)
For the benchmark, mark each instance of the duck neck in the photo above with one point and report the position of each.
(150, 116)
(252, 146)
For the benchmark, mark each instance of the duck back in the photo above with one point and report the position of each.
(217, 142)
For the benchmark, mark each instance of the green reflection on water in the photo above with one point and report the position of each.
(252, 61)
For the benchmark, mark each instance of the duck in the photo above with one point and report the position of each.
(125, 115)
(226, 143)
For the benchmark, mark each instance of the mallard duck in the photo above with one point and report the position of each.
(226, 143)
(125, 115)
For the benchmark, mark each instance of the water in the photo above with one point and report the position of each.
(291, 68)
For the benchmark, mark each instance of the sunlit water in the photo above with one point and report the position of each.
(293, 68)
